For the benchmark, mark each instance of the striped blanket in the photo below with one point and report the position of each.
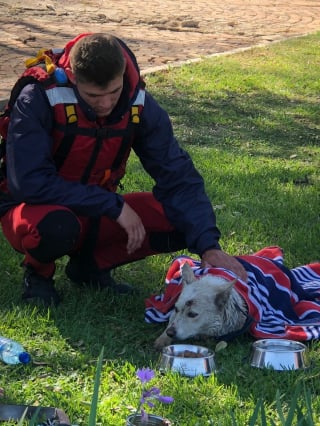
(282, 303)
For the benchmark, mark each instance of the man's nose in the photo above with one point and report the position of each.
(105, 101)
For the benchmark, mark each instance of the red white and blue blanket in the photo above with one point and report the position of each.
(283, 303)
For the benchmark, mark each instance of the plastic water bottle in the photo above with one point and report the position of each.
(12, 352)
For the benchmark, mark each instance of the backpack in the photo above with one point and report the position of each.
(43, 68)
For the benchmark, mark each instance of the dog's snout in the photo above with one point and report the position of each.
(171, 331)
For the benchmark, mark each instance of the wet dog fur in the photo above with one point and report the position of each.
(207, 306)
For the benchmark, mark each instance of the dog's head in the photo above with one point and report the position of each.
(201, 307)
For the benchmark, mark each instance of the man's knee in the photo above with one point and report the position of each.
(59, 232)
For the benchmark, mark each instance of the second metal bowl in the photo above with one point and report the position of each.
(278, 354)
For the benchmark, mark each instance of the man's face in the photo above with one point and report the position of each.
(102, 100)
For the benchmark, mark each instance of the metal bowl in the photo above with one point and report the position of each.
(278, 354)
(188, 360)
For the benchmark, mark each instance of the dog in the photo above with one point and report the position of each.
(208, 306)
(276, 302)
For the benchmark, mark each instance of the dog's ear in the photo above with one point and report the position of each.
(223, 296)
(187, 274)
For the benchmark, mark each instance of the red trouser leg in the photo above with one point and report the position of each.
(111, 247)
(42, 233)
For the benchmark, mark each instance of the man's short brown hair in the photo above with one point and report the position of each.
(97, 58)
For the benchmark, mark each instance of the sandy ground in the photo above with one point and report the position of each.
(160, 32)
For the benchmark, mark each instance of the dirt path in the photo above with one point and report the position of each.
(160, 32)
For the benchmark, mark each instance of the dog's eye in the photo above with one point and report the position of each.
(192, 314)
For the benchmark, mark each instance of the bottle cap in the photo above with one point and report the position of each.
(24, 357)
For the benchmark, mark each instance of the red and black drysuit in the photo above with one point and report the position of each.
(64, 166)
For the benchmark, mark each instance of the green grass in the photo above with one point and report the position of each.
(251, 122)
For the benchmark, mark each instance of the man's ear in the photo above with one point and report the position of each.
(70, 75)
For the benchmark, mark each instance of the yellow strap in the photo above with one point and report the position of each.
(71, 114)
(135, 118)
(41, 57)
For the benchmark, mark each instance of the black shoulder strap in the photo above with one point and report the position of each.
(18, 86)
(69, 134)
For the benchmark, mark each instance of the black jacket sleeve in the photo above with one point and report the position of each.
(178, 185)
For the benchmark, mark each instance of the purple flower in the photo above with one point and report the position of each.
(145, 375)
(149, 395)
(165, 399)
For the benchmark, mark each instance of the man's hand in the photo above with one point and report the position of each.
(220, 259)
(132, 224)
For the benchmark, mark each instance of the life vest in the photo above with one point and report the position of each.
(100, 153)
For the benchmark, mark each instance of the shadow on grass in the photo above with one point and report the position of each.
(260, 122)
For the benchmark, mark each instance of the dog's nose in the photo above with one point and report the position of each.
(171, 332)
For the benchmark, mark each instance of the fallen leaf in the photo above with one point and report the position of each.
(221, 345)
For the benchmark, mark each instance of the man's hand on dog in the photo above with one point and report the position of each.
(220, 259)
